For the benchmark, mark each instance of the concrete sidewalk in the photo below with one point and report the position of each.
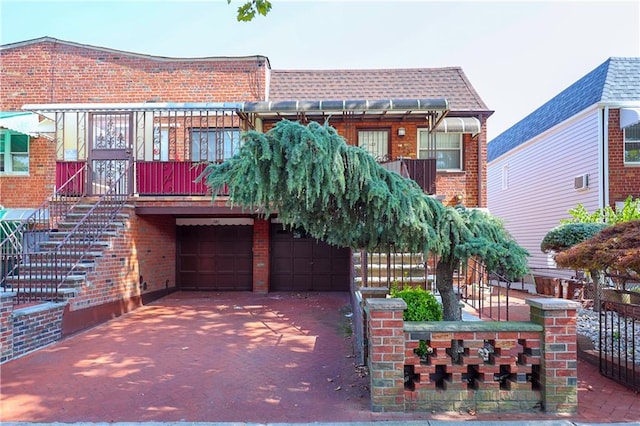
(235, 357)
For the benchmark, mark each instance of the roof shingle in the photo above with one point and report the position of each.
(417, 83)
(615, 80)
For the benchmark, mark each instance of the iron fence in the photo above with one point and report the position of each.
(619, 342)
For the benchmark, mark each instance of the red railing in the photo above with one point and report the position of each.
(152, 178)
(171, 178)
(423, 171)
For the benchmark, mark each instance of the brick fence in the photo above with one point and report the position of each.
(27, 329)
(481, 365)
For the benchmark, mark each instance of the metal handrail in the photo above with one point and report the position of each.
(483, 280)
(44, 218)
(89, 230)
(44, 272)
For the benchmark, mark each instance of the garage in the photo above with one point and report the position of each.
(215, 257)
(302, 263)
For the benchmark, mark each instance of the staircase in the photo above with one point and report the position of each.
(56, 261)
(384, 269)
(49, 254)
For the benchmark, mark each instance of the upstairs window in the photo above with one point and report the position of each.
(632, 145)
(445, 147)
(14, 152)
(214, 144)
(376, 143)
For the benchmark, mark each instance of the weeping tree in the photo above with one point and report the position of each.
(569, 234)
(615, 250)
(338, 194)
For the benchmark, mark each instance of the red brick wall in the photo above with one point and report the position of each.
(143, 252)
(155, 244)
(623, 180)
(448, 184)
(261, 256)
(33, 189)
(50, 72)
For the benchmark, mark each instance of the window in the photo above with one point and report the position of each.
(505, 177)
(448, 149)
(214, 144)
(375, 142)
(632, 144)
(14, 152)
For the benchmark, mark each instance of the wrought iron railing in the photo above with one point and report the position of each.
(619, 351)
(26, 236)
(487, 293)
(56, 254)
(387, 268)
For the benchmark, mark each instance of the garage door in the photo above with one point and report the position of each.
(301, 263)
(215, 257)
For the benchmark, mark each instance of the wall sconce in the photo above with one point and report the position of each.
(401, 131)
(458, 199)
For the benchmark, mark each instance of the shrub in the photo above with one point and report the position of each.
(421, 305)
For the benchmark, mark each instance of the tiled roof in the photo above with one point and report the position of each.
(615, 80)
(418, 83)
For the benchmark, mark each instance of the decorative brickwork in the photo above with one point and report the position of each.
(480, 365)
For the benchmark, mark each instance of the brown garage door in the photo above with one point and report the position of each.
(301, 263)
(215, 257)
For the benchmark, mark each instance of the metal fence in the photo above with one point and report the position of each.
(619, 341)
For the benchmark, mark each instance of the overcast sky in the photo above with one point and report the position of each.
(516, 54)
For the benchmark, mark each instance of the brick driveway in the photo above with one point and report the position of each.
(283, 357)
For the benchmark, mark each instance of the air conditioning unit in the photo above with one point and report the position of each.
(581, 182)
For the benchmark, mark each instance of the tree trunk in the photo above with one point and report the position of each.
(444, 283)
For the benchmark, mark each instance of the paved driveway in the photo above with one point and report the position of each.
(223, 357)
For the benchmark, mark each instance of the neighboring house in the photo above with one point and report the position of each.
(143, 126)
(582, 146)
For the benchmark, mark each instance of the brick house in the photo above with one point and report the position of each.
(101, 120)
(582, 146)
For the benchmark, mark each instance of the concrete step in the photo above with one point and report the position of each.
(36, 293)
(55, 244)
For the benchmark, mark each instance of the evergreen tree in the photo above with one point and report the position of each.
(338, 193)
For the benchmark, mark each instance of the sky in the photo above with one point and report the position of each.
(516, 54)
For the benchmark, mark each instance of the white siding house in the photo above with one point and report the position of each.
(558, 157)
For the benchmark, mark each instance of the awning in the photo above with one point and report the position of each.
(629, 117)
(15, 214)
(459, 125)
(27, 123)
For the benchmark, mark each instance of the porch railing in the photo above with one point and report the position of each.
(152, 178)
(422, 171)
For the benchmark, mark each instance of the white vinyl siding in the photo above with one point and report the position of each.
(540, 187)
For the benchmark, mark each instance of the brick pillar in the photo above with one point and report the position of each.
(385, 328)
(261, 256)
(6, 325)
(368, 293)
(559, 364)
